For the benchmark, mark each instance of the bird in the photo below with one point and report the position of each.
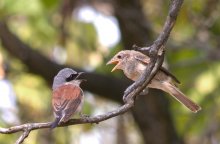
(67, 96)
(133, 64)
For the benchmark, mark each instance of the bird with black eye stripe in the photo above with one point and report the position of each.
(67, 96)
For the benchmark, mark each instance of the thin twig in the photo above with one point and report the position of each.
(130, 93)
(23, 136)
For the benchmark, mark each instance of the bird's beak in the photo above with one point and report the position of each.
(79, 74)
(79, 80)
(82, 80)
(113, 61)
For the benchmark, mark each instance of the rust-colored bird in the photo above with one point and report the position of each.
(133, 64)
(67, 98)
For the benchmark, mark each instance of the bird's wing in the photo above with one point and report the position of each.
(66, 99)
(146, 60)
(142, 58)
(169, 74)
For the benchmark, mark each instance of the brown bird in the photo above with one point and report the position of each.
(133, 64)
(67, 98)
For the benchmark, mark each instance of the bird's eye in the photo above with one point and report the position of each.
(71, 77)
(119, 56)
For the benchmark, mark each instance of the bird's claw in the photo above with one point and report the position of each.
(84, 116)
(144, 92)
(125, 99)
(126, 96)
(129, 89)
(127, 92)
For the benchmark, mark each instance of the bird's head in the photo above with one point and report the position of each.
(66, 75)
(119, 60)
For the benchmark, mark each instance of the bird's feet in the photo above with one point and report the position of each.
(144, 92)
(83, 116)
(126, 97)
(127, 92)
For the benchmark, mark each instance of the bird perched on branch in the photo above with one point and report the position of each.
(134, 63)
(67, 98)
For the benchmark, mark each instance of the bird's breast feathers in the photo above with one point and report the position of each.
(141, 67)
(67, 92)
(134, 71)
(66, 100)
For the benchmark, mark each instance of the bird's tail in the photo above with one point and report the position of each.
(55, 123)
(178, 95)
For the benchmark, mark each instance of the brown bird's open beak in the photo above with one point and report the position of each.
(113, 61)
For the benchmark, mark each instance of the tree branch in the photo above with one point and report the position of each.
(27, 128)
(156, 52)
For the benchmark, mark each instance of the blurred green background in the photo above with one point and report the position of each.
(85, 34)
